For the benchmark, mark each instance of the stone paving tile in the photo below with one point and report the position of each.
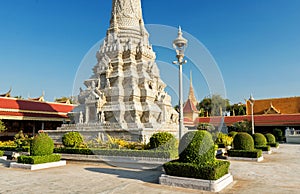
(278, 173)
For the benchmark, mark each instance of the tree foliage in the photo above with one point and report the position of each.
(213, 106)
(238, 109)
(2, 127)
(241, 126)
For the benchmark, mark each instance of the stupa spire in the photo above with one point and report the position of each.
(191, 92)
(128, 13)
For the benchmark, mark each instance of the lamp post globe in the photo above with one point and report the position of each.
(180, 45)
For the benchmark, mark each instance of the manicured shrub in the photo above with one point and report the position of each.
(278, 134)
(245, 153)
(162, 140)
(211, 171)
(270, 138)
(38, 159)
(243, 141)
(232, 134)
(41, 145)
(15, 149)
(72, 139)
(259, 140)
(117, 152)
(197, 147)
(223, 139)
(1, 153)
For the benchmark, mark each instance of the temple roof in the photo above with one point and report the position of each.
(191, 92)
(7, 94)
(189, 107)
(16, 109)
(259, 120)
(272, 110)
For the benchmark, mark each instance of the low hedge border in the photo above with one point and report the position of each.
(117, 152)
(210, 171)
(1, 153)
(274, 145)
(15, 149)
(264, 148)
(38, 159)
(245, 153)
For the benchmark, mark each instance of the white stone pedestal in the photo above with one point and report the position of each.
(3, 158)
(200, 184)
(247, 159)
(38, 166)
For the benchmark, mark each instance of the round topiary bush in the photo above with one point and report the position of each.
(162, 141)
(278, 134)
(41, 145)
(259, 139)
(72, 139)
(270, 138)
(197, 147)
(243, 141)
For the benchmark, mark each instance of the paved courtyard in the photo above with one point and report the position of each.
(278, 173)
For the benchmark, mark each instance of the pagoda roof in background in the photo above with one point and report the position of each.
(19, 109)
(259, 120)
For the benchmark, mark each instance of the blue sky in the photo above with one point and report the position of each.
(255, 43)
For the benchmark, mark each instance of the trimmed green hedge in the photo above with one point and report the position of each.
(259, 140)
(1, 153)
(245, 153)
(274, 145)
(15, 149)
(243, 141)
(117, 152)
(278, 134)
(197, 147)
(72, 139)
(41, 145)
(209, 171)
(83, 151)
(263, 148)
(39, 159)
(270, 138)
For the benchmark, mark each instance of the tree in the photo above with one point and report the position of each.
(241, 126)
(2, 127)
(214, 106)
(238, 109)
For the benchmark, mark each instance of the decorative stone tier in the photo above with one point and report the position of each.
(91, 131)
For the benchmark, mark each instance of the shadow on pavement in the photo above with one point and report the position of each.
(150, 176)
(4, 163)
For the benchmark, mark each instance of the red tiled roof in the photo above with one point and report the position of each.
(259, 120)
(189, 107)
(12, 107)
(12, 103)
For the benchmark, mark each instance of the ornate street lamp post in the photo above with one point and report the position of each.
(180, 45)
(251, 101)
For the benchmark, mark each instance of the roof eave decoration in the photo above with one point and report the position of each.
(272, 110)
(7, 94)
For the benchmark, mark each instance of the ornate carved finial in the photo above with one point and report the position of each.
(7, 94)
(127, 12)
